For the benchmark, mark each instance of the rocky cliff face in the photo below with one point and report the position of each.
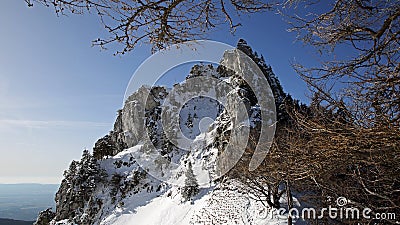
(125, 178)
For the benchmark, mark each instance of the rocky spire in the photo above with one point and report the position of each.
(273, 81)
(244, 47)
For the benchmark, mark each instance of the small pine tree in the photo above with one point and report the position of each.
(71, 172)
(191, 187)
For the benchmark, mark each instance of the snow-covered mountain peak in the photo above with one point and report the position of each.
(165, 160)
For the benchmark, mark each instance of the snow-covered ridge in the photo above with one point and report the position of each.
(120, 183)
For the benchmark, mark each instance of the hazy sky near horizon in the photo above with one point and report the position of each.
(58, 94)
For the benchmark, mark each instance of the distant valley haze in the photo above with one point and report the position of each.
(25, 201)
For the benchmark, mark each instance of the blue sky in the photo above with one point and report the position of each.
(58, 94)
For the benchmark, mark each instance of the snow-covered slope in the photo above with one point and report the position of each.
(223, 204)
(137, 175)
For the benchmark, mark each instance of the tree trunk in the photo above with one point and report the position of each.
(289, 198)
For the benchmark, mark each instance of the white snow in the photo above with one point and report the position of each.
(214, 205)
